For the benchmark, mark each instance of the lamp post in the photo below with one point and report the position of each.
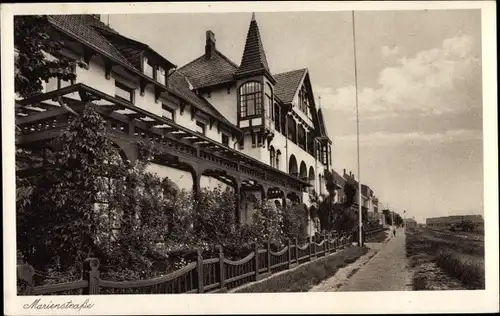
(360, 212)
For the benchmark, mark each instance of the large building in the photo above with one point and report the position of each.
(216, 120)
(410, 223)
(445, 222)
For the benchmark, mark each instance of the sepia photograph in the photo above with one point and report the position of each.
(250, 151)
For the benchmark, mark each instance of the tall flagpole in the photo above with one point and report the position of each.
(360, 212)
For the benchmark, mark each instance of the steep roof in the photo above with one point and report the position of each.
(132, 49)
(90, 31)
(287, 84)
(254, 57)
(78, 26)
(205, 72)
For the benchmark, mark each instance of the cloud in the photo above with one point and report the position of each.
(433, 82)
(391, 139)
(390, 52)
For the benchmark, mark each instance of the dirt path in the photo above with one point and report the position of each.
(383, 268)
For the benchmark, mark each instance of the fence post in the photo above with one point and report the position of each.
(91, 275)
(268, 256)
(310, 247)
(325, 244)
(289, 256)
(221, 268)
(296, 250)
(25, 272)
(256, 249)
(199, 270)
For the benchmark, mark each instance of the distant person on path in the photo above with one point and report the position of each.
(394, 231)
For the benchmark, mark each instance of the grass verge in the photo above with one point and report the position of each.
(304, 277)
(451, 256)
(467, 268)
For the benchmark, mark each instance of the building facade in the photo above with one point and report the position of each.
(445, 222)
(217, 122)
(410, 223)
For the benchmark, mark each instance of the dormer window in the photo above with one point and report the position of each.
(251, 99)
(148, 68)
(161, 76)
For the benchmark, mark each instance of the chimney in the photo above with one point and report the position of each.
(210, 44)
(344, 172)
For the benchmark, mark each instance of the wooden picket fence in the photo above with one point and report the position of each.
(203, 276)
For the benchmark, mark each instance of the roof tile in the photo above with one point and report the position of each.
(79, 26)
(287, 84)
(205, 72)
(254, 56)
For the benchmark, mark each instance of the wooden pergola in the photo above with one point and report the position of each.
(41, 118)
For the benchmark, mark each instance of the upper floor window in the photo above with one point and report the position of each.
(225, 140)
(324, 158)
(277, 116)
(148, 68)
(304, 101)
(278, 158)
(302, 137)
(251, 99)
(310, 144)
(200, 127)
(269, 101)
(161, 76)
(66, 83)
(292, 129)
(167, 112)
(272, 154)
(123, 92)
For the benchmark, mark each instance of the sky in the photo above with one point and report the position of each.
(419, 90)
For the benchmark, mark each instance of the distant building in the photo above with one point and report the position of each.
(340, 181)
(410, 223)
(446, 221)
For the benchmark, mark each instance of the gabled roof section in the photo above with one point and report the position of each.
(132, 49)
(95, 21)
(288, 83)
(254, 57)
(205, 72)
(78, 26)
(179, 84)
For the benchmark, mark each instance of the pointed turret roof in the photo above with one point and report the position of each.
(254, 57)
(322, 126)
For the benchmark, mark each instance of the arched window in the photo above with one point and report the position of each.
(251, 98)
(271, 156)
(278, 158)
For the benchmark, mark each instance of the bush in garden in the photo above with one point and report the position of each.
(268, 222)
(295, 220)
(59, 225)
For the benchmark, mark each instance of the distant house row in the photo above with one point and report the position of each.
(446, 221)
(370, 203)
